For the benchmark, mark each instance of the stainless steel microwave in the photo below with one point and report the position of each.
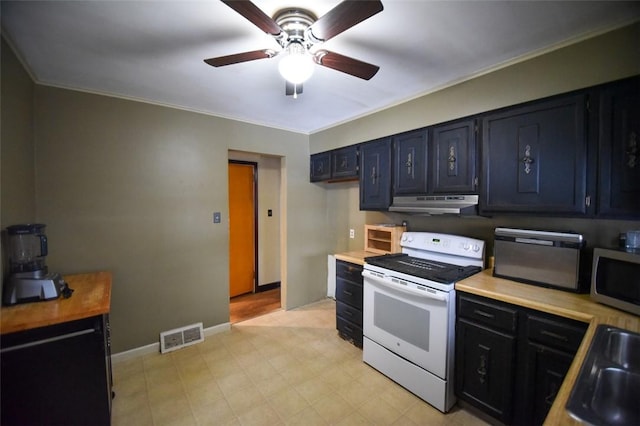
(615, 279)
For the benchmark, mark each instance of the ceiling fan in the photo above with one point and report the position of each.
(299, 33)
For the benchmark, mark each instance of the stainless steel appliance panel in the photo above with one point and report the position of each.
(615, 279)
(538, 257)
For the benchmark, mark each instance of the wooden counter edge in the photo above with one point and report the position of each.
(484, 284)
(27, 316)
(356, 257)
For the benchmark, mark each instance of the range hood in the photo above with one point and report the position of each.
(436, 204)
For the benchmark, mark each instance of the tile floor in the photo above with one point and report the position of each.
(283, 368)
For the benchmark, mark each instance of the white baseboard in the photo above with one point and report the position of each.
(155, 347)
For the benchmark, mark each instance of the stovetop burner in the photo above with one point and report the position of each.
(423, 268)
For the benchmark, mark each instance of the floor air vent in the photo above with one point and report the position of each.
(181, 337)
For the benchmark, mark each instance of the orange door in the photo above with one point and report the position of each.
(241, 229)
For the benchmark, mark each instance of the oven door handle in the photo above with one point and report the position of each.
(381, 281)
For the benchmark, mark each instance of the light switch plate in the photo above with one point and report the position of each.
(216, 217)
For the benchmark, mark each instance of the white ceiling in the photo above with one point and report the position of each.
(153, 51)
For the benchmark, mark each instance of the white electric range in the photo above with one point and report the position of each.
(409, 311)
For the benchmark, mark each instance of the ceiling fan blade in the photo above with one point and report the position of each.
(240, 57)
(345, 64)
(255, 15)
(344, 16)
(291, 89)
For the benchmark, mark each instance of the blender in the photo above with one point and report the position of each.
(29, 278)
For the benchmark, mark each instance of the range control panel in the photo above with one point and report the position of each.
(454, 245)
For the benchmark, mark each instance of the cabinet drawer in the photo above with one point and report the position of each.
(349, 271)
(349, 331)
(349, 293)
(349, 313)
(490, 314)
(555, 333)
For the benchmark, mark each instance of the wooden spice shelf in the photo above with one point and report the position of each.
(383, 239)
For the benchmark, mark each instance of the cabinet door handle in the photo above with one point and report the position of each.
(552, 395)
(373, 175)
(452, 158)
(49, 340)
(527, 160)
(409, 165)
(348, 293)
(632, 151)
(484, 314)
(554, 335)
(348, 313)
(482, 369)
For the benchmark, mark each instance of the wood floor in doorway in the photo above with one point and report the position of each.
(252, 305)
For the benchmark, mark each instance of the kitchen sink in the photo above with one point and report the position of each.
(608, 384)
(623, 349)
(615, 397)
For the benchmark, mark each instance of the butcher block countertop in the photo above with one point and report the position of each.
(91, 297)
(565, 304)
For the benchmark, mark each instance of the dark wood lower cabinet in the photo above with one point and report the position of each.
(546, 370)
(349, 301)
(484, 371)
(511, 361)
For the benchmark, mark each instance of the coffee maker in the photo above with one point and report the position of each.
(29, 278)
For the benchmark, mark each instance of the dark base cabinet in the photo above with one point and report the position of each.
(546, 370)
(511, 361)
(349, 301)
(485, 368)
(57, 375)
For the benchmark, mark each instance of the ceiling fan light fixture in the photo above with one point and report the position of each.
(297, 65)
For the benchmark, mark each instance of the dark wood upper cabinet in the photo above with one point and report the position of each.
(575, 154)
(320, 167)
(454, 158)
(375, 174)
(619, 150)
(344, 162)
(337, 164)
(535, 158)
(410, 163)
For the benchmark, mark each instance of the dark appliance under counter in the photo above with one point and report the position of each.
(55, 357)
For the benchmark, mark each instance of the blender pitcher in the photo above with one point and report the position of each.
(27, 249)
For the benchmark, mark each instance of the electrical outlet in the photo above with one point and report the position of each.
(352, 233)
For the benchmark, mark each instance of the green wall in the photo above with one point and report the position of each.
(17, 195)
(131, 187)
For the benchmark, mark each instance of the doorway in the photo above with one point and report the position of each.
(264, 200)
(242, 228)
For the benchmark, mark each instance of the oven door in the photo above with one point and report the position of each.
(412, 323)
